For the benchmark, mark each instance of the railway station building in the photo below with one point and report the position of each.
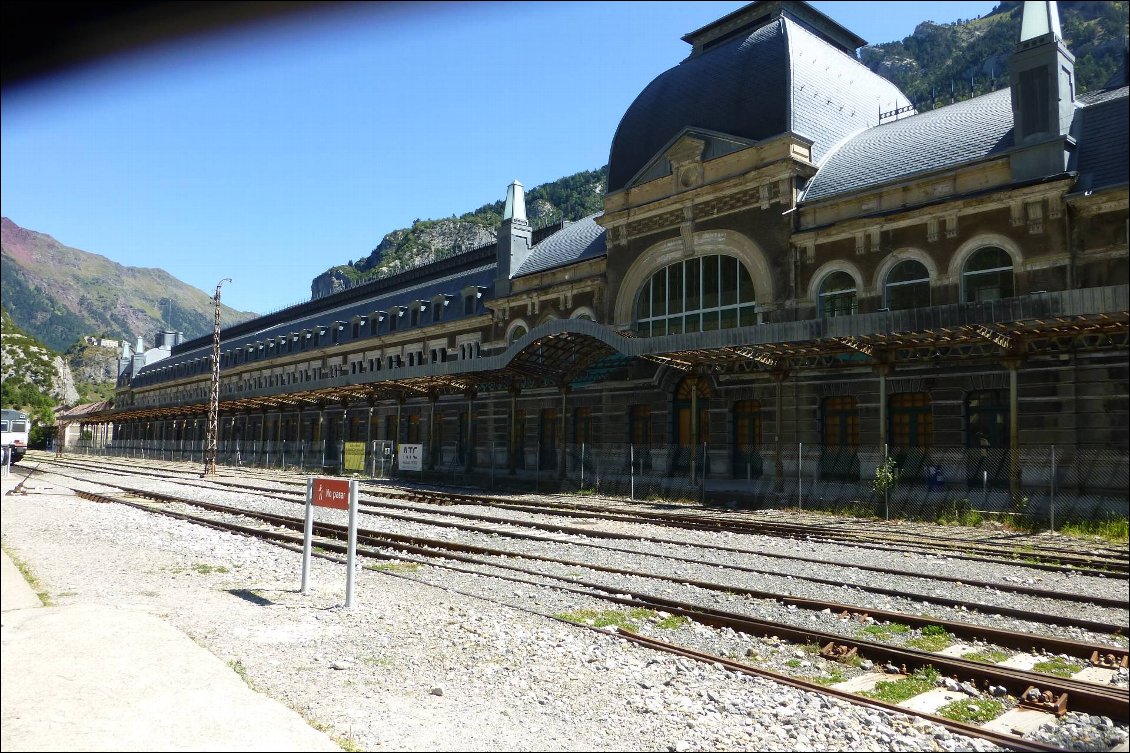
(796, 274)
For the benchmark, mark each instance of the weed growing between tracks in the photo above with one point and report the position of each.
(885, 630)
(972, 710)
(395, 567)
(897, 691)
(629, 621)
(933, 638)
(1057, 666)
(989, 656)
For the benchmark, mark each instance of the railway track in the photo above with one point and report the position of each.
(1114, 703)
(509, 526)
(1106, 562)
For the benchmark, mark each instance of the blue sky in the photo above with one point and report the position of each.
(272, 154)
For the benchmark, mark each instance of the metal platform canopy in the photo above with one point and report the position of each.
(561, 352)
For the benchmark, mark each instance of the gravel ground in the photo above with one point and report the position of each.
(503, 675)
(788, 577)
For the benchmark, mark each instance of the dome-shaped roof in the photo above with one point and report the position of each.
(759, 83)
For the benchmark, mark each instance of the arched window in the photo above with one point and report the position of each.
(907, 286)
(697, 295)
(837, 295)
(987, 275)
(518, 332)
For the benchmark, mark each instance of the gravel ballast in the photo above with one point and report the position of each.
(412, 666)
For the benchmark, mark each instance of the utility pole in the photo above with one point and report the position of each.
(214, 393)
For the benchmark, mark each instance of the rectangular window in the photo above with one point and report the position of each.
(415, 430)
(582, 426)
(639, 428)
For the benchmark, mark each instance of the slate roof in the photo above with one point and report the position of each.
(451, 284)
(937, 140)
(776, 78)
(1101, 125)
(583, 239)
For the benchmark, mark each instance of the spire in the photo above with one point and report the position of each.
(515, 239)
(515, 203)
(1040, 17)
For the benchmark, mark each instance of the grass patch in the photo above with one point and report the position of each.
(972, 710)
(933, 638)
(989, 656)
(885, 630)
(897, 691)
(1057, 666)
(833, 677)
(960, 512)
(794, 663)
(628, 621)
(29, 576)
(205, 569)
(395, 567)
(1114, 530)
(672, 622)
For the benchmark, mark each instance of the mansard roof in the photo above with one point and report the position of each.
(583, 239)
(937, 140)
(1102, 124)
(777, 76)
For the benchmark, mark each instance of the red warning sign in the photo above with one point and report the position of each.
(331, 492)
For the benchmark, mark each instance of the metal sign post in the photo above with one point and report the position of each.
(351, 547)
(338, 494)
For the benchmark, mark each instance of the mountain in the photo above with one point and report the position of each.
(569, 198)
(935, 65)
(62, 294)
(941, 62)
(33, 378)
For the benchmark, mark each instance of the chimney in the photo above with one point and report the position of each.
(514, 237)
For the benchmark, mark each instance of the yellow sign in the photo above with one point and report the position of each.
(354, 456)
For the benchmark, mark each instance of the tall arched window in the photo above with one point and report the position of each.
(697, 295)
(907, 286)
(837, 295)
(987, 275)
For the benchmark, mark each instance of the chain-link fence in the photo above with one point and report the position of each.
(1043, 485)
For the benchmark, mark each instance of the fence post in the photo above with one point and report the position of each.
(702, 488)
(1053, 491)
(799, 474)
(886, 488)
(582, 465)
(632, 470)
(537, 469)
